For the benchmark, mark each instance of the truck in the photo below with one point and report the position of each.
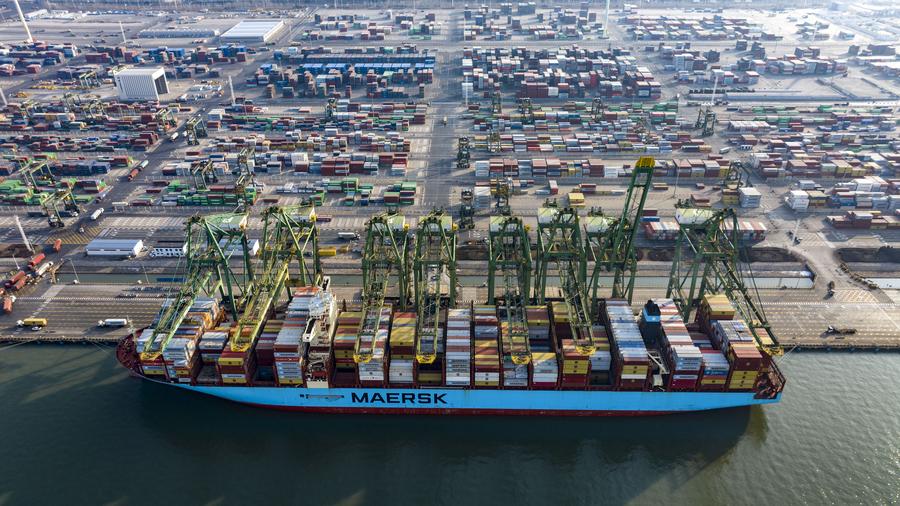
(34, 323)
(173, 137)
(96, 214)
(42, 269)
(113, 322)
(37, 259)
(348, 236)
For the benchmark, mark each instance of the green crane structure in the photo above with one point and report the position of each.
(289, 234)
(434, 261)
(61, 197)
(706, 121)
(707, 261)
(509, 257)
(194, 129)
(203, 173)
(462, 154)
(560, 249)
(496, 104)
(386, 256)
(526, 109)
(610, 240)
(211, 241)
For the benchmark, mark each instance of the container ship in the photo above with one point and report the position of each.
(269, 332)
(304, 360)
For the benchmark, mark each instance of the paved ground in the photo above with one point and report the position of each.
(798, 315)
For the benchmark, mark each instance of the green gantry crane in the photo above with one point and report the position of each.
(707, 261)
(526, 109)
(210, 243)
(434, 262)
(560, 248)
(289, 234)
(706, 121)
(610, 240)
(385, 257)
(462, 154)
(509, 257)
(194, 130)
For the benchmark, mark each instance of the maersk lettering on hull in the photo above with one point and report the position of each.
(450, 401)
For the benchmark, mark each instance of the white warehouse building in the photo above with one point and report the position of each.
(141, 83)
(114, 247)
(254, 30)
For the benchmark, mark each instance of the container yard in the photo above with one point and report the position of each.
(479, 112)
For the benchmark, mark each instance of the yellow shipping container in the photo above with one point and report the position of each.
(291, 381)
(231, 361)
(234, 381)
(712, 381)
(328, 252)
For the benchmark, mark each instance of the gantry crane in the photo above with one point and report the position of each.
(434, 263)
(560, 248)
(466, 210)
(289, 233)
(462, 154)
(385, 258)
(502, 188)
(166, 120)
(597, 110)
(61, 197)
(330, 109)
(526, 109)
(610, 240)
(194, 130)
(246, 175)
(707, 261)
(509, 257)
(496, 104)
(210, 241)
(706, 120)
(203, 173)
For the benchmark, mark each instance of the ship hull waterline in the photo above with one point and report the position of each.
(447, 401)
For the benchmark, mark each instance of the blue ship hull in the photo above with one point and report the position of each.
(478, 402)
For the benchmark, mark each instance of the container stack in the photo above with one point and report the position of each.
(403, 350)
(211, 345)
(738, 344)
(749, 197)
(544, 366)
(487, 352)
(600, 359)
(432, 374)
(290, 349)
(265, 350)
(575, 366)
(684, 360)
(714, 307)
(371, 372)
(344, 340)
(181, 359)
(632, 361)
(715, 371)
(458, 352)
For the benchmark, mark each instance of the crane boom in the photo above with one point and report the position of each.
(385, 256)
(560, 243)
(510, 257)
(288, 232)
(434, 258)
(710, 238)
(611, 239)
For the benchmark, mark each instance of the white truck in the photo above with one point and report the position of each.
(113, 322)
(348, 236)
(96, 214)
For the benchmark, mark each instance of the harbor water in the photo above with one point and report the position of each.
(78, 430)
